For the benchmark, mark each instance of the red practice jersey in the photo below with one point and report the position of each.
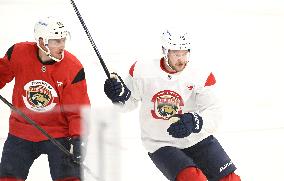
(51, 94)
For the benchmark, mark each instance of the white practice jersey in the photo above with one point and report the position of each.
(163, 95)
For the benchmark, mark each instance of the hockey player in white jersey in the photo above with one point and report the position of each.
(179, 113)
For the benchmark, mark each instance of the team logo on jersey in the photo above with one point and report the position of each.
(166, 104)
(39, 96)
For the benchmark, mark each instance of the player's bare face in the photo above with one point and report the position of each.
(56, 47)
(178, 59)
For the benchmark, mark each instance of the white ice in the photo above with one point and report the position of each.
(242, 41)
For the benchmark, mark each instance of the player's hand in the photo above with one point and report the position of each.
(185, 124)
(116, 90)
(78, 149)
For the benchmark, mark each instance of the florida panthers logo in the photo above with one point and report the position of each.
(39, 96)
(166, 104)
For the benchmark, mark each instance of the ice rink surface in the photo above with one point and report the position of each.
(241, 41)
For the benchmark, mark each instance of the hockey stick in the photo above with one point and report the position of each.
(90, 38)
(53, 140)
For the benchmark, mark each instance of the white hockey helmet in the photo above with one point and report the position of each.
(174, 40)
(50, 28)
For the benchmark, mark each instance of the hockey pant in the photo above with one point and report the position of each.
(15, 179)
(10, 179)
(193, 173)
(69, 179)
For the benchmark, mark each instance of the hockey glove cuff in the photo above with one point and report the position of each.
(78, 149)
(187, 123)
(116, 90)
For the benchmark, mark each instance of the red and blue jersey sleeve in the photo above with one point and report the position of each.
(74, 99)
(6, 68)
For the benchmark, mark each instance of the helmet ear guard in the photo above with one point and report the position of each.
(50, 28)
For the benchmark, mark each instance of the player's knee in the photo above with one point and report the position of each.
(69, 179)
(10, 179)
(191, 173)
(231, 177)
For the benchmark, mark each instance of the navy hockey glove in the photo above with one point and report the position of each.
(187, 123)
(77, 149)
(116, 91)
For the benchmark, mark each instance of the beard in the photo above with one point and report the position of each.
(178, 67)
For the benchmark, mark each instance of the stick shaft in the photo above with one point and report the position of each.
(90, 38)
(53, 140)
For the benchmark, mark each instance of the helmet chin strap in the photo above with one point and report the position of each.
(165, 52)
(168, 64)
(56, 59)
(49, 54)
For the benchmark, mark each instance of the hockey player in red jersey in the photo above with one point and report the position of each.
(50, 88)
(179, 113)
